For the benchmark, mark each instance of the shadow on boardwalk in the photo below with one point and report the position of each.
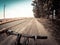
(52, 27)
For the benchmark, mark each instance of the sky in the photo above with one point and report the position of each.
(16, 8)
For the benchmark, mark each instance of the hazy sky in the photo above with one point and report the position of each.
(16, 8)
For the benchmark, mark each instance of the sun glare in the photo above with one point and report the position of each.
(19, 11)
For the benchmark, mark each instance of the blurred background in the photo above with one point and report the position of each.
(15, 8)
